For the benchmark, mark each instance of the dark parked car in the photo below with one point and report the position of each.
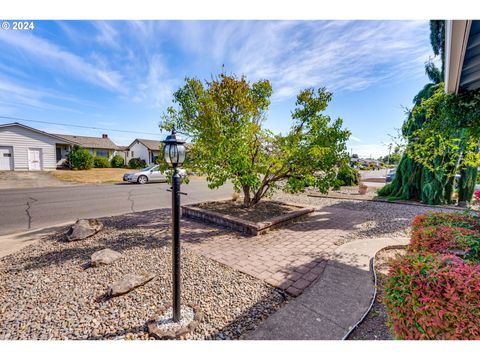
(390, 176)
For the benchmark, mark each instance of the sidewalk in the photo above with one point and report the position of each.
(333, 304)
(13, 242)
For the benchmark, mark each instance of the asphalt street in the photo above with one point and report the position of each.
(29, 209)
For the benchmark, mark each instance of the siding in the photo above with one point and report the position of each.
(21, 139)
(140, 151)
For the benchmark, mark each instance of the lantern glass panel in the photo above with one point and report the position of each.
(181, 154)
(166, 153)
(173, 153)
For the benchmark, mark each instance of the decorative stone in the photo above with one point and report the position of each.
(104, 257)
(128, 283)
(163, 327)
(83, 229)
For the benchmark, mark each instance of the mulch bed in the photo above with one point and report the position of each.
(374, 326)
(260, 212)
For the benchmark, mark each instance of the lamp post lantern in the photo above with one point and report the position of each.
(174, 154)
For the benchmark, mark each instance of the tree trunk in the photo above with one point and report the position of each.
(246, 195)
(259, 194)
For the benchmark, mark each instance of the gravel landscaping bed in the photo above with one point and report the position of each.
(346, 192)
(383, 219)
(47, 290)
(374, 326)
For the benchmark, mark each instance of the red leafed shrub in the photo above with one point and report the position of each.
(433, 297)
(476, 195)
(445, 239)
(447, 219)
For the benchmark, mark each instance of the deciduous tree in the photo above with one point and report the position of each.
(224, 118)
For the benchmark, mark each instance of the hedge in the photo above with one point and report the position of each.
(434, 291)
(448, 219)
(117, 161)
(101, 162)
(433, 297)
(137, 163)
(347, 176)
(445, 239)
(80, 159)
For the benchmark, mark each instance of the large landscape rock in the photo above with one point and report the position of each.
(128, 283)
(104, 257)
(83, 229)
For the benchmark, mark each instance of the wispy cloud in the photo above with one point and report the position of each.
(156, 88)
(18, 94)
(107, 34)
(341, 55)
(51, 55)
(137, 65)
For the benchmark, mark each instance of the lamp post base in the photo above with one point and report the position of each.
(163, 327)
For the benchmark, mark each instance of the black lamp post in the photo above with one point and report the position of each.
(174, 154)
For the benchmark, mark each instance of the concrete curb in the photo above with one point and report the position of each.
(12, 243)
(397, 202)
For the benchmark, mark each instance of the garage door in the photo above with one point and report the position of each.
(6, 158)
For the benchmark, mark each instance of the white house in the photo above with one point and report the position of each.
(26, 148)
(97, 146)
(144, 149)
(29, 149)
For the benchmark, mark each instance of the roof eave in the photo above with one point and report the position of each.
(40, 132)
(456, 38)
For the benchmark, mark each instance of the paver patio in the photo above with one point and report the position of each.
(290, 258)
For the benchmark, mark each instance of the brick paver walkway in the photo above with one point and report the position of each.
(290, 258)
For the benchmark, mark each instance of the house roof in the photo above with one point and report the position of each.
(57, 137)
(149, 144)
(90, 141)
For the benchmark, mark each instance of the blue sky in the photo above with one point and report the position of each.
(121, 74)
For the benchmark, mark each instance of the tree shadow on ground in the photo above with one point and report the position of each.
(351, 215)
(149, 229)
(340, 310)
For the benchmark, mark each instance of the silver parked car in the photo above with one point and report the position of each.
(149, 174)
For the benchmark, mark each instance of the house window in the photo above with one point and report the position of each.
(132, 154)
(103, 153)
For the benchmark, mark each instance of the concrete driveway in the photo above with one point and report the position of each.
(28, 179)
